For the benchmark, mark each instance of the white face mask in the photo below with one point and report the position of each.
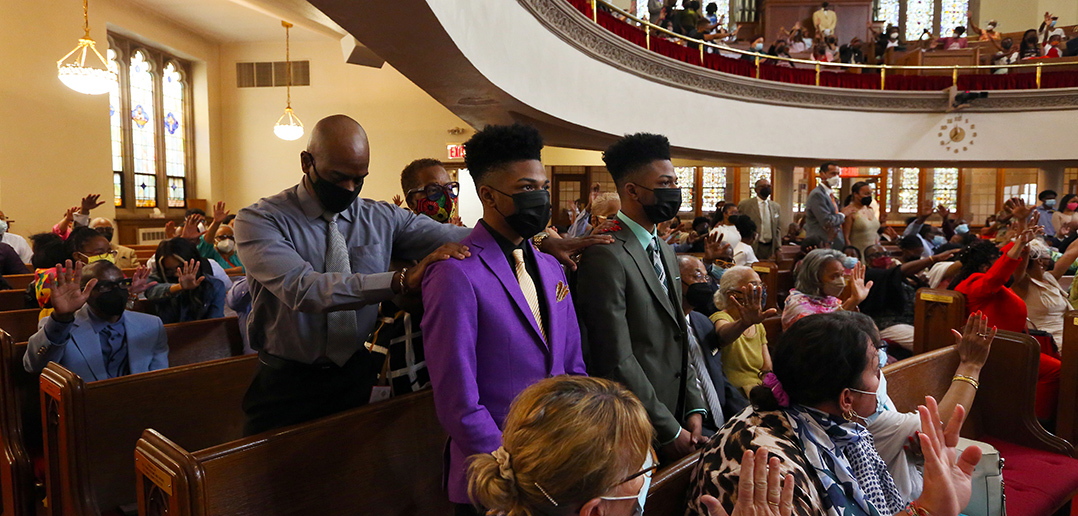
(642, 496)
(991, 27)
(226, 246)
(834, 182)
(894, 35)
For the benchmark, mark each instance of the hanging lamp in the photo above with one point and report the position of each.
(288, 126)
(73, 70)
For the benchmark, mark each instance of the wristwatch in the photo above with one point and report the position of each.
(537, 240)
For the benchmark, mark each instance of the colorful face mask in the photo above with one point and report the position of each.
(438, 206)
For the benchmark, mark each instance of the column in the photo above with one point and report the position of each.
(783, 191)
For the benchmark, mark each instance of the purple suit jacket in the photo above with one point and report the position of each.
(483, 347)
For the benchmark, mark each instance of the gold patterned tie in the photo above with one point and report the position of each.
(528, 287)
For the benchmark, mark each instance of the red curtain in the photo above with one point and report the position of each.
(631, 33)
(785, 74)
(1009, 81)
(727, 65)
(675, 51)
(860, 81)
(584, 6)
(1059, 79)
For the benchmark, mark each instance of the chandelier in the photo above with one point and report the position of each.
(288, 126)
(73, 70)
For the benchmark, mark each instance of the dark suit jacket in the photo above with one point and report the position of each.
(729, 396)
(634, 333)
(823, 215)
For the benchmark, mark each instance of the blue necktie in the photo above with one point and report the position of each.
(113, 350)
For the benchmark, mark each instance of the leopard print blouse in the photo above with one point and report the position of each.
(718, 472)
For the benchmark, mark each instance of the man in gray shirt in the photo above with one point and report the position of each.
(317, 259)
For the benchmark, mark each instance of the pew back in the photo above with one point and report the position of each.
(384, 458)
(12, 300)
(1067, 414)
(936, 313)
(769, 272)
(20, 429)
(90, 428)
(20, 324)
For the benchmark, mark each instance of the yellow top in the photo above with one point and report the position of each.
(825, 20)
(743, 359)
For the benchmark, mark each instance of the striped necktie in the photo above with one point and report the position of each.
(342, 339)
(711, 396)
(527, 286)
(657, 263)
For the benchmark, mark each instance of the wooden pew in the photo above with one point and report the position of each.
(90, 428)
(1067, 413)
(12, 300)
(669, 489)
(20, 417)
(384, 458)
(936, 312)
(769, 272)
(20, 324)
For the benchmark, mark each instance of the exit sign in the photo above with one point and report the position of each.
(456, 150)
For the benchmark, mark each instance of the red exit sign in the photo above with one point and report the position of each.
(455, 150)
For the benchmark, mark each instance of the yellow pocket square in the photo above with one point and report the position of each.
(561, 291)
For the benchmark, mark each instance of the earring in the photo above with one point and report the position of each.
(848, 415)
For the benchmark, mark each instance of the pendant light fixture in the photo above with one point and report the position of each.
(73, 69)
(288, 126)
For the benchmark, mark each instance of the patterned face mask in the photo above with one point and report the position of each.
(438, 201)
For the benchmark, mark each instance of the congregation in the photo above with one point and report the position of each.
(538, 341)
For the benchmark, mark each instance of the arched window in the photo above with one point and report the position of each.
(150, 117)
(686, 179)
(714, 188)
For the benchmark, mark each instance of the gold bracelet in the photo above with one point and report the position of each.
(967, 379)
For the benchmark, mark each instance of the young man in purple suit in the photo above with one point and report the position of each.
(501, 319)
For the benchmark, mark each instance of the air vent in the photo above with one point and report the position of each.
(270, 74)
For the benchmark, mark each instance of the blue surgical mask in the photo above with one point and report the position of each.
(938, 240)
(962, 229)
(1050, 203)
(849, 262)
(642, 496)
(759, 47)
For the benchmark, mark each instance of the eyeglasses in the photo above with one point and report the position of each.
(109, 286)
(435, 191)
(224, 237)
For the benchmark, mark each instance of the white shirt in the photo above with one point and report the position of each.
(744, 255)
(18, 243)
(730, 235)
(765, 218)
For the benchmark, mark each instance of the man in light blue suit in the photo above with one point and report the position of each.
(90, 333)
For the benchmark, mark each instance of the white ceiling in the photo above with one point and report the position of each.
(230, 21)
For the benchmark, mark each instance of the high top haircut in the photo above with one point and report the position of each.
(499, 145)
(633, 152)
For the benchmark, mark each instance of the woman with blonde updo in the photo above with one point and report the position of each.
(582, 446)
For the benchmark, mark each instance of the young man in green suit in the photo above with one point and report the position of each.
(628, 297)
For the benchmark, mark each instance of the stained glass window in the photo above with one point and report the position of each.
(953, 14)
(143, 128)
(945, 187)
(114, 116)
(686, 179)
(908, 189)
(714, 187)
(175, 134)
(887, 11)
(118, 187)
(919, 15)
(890, 189)
(145, 190)
(758, 173)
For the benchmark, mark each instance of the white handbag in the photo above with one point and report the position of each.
(988, 498)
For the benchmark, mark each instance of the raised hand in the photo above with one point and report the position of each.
(219, 212)
(716, 249)
(413, 278)
(90, 202)
(140, 281)
(1018, 207)
(975, 341)
(190, 227)
(170, 230)
(66, 296)
(947, 476)
(398, 200)
(189, 275)
(773, 497)
(69, 215)
(860, 288)
(752, 312)
(943, 211)
(567, 249)
(456, 221)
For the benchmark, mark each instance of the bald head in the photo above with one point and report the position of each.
(101, 271)
(338, 152)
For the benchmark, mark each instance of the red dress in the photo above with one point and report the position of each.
(988, 293)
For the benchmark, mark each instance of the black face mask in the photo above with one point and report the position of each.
(111, 303)
(334, 199)
(700, 295)
(666, 206)
(532, 212)
(106, 232)
(865, 201)
(765, 192)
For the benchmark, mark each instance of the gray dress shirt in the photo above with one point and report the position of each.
(282, 242)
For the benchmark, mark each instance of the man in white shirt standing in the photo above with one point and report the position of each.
(17, 242)
(765, 213)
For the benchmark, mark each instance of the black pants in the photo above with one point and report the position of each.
(466, 509)
(285, 393)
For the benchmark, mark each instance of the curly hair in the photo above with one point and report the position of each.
(499, 145)
(978, 254)
(634, 151)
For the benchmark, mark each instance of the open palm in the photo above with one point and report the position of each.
(66, 296)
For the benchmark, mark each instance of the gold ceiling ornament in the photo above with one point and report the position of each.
(288, 126)
(73, 70)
